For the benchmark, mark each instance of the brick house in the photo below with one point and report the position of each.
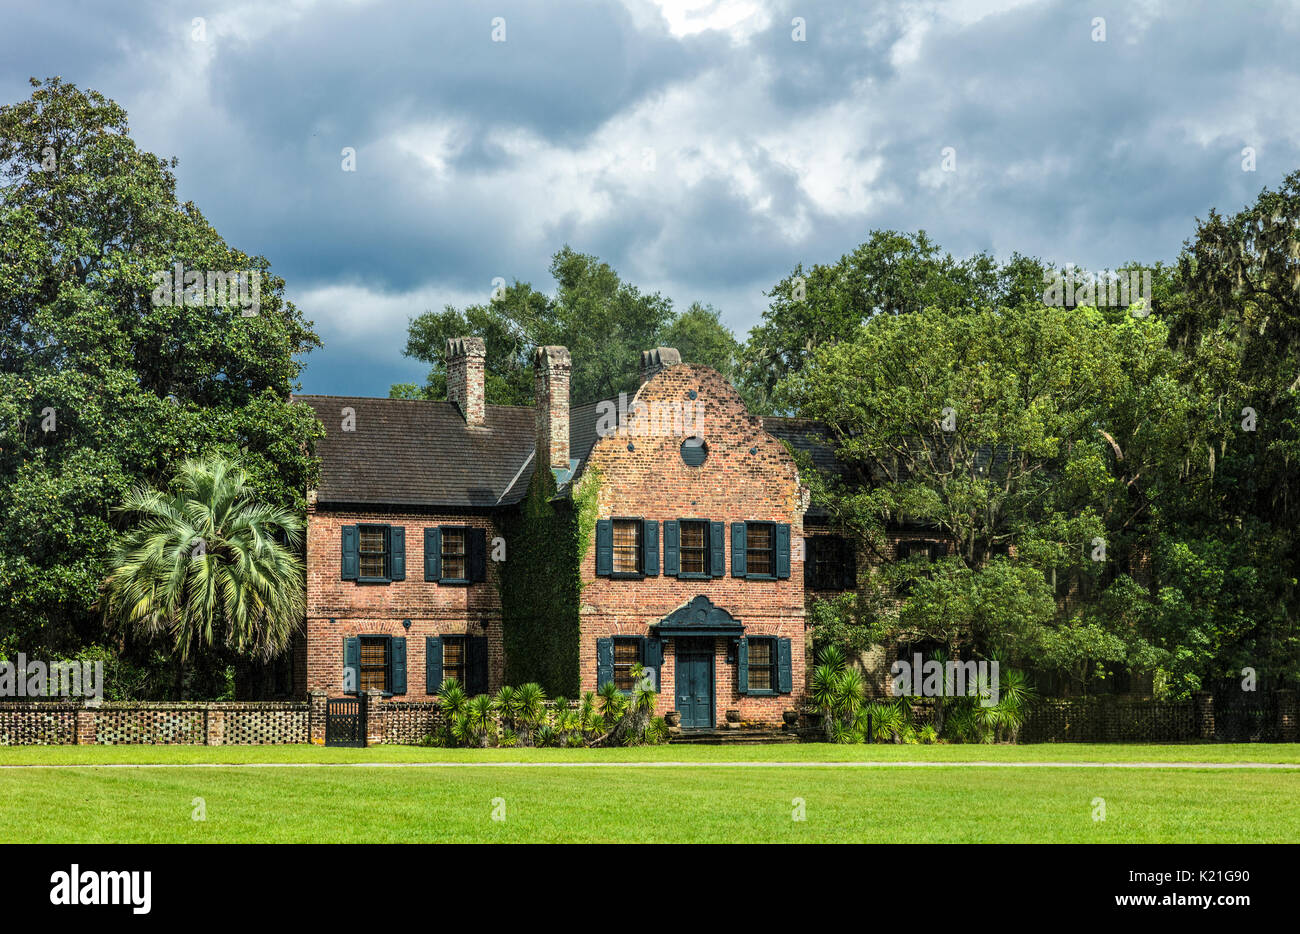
(688, 557)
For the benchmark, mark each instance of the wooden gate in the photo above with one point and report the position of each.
(345, 721)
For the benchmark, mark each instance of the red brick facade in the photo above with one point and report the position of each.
(747, 475)
(338, 608)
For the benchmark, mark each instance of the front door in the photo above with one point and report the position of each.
(694, 682)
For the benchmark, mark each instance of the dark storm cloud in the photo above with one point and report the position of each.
(478, 159)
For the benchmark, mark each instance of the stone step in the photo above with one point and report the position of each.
(734, 737)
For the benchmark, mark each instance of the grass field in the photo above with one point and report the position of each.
(705, 801)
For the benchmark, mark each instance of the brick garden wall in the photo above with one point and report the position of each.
(193, 724)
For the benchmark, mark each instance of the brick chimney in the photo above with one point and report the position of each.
(652, 361)
(465, 356)
(551, 367)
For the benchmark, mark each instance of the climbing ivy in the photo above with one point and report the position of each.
(541, 582)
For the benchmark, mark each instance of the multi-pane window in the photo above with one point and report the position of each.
(830, 563)
(762, 665)
(694, 548)
(373, 551)
(627, 652)
(759, 545)
(627, 546)
(454, 554)
(374, 663)
(453, 659)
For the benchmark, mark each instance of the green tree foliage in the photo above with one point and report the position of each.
(101, 389)
(891, 274)
(604, 321)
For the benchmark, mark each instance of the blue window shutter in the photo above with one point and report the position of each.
(652, 656)
(784, 673)
(432, 664)
(654, 652)
(650, 547)
(717, 549)
(397, 656)
(352, 660)
(604, 547)
(672, 546)
(351, 559)
(604, 662)
(477, 555)
(432, 554)
(477, 665)
(397, 553)
(737, 549)
(742, 667)
(782, 549)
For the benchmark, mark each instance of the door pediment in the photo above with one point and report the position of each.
(699, 617)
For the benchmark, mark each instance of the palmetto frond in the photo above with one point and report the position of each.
(208, 561)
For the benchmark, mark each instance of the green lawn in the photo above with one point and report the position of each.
(801, 752)
(709, 802)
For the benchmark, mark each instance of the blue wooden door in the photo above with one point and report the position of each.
(694, 683)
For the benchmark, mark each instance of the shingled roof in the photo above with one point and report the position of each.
(407, 452)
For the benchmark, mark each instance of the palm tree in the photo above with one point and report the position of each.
(477, 722)
(508, 705)
(208, 559)
(530, 711)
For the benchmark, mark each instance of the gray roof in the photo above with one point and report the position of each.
(407, 452)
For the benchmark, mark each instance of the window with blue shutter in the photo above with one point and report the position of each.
(650, 546)
(738, 549)
(455, 555)
(759, 663)
(604, 662)
(432, 664)
(717, 549)
(375, 552)
(762, 550)
(604, 547)
(350, 562)
(694, 558)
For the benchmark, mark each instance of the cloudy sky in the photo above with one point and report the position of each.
(702, 147)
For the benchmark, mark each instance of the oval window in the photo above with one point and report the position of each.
(694, 451)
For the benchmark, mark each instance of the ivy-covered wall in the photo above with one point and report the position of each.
(541, 585)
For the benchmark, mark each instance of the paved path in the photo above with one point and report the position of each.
(659, 765)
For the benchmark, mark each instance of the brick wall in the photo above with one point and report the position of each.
(747, 475)
(339, 608)
(160, 723)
